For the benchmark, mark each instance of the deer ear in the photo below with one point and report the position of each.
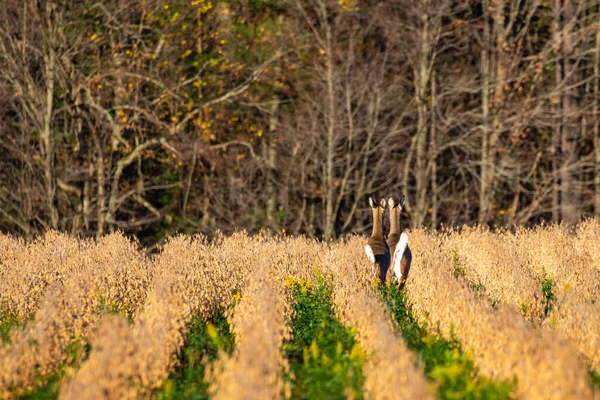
(382, 202)
(372, 202)
(391, 203)
(402, 201)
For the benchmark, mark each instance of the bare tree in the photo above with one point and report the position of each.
(567, 121)
(596, 116)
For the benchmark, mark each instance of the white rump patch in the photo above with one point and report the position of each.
(369, 253)
(399, 253)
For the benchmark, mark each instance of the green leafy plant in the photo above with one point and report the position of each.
(595, 379)
(549, 297)
(7, 323)
(445, 362)
(524, 308)
(325, 360)
(202, 345)
(48, 386)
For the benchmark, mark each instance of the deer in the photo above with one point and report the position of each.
(398, 243)
(377, 249)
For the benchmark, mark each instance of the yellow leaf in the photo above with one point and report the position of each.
(357, 353)
(322, 51)
(290, 281)
(314, 350)
(212, 331)
(428, 339)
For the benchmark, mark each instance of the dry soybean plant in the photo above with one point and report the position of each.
(552, 252)
(587, 241)
(391, 369)
(510, 269)
(578, 322)
(66, 292)
(503, 345)
(260, 325)
(110, 271)
(487, 260)
(129, 361)
(564, 260)
(27, 270)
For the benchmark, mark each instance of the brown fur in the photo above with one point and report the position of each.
(394, 236)
(378, 243)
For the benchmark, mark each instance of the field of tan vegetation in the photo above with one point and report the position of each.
(101, 320)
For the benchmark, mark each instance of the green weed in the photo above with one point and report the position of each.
(6, 325)
(48, 386)
(549, 297)
(524, 308)
(202, 345)
(445, 363)
(595, 379)
(325, 360)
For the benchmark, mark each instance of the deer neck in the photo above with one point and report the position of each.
(377, 223)
(395, 221)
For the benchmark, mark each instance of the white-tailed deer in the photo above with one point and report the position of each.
(376, 248)
(398, 243)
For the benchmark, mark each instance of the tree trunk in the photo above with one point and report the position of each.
(422, 76)
(101, 210)
(269, 155)
(331, 117)
(47, 140)
(556, 111)
(595, 116)
(433, 156)
(566, 14)
(484, 201)
(84, 162)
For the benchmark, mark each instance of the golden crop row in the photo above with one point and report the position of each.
(510, 269)
(85, 281)
(129, 361)
(196, 278)
(490, 262)
(260, 320)
(391, 369)
(552, 252)
(260, 325)
(503, 345)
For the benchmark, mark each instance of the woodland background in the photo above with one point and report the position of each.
(157, 116)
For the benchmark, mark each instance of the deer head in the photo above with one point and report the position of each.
(378, 211)
(395, 212)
